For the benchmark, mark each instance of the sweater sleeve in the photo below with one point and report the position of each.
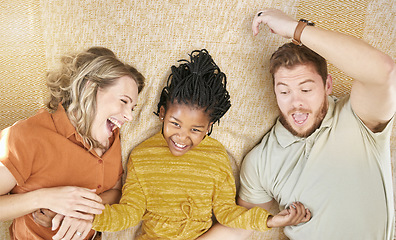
(129, 211)
(232, 215)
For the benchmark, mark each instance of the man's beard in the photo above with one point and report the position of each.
(318, 121)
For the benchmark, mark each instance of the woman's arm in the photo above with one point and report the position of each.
(68, 227)
(45, 217)
(69, 201)
(24, 203)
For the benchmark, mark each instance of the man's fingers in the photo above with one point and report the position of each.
(256, 24)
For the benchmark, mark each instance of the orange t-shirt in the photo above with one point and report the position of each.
(45, 151)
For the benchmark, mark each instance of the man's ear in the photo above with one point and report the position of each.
(329, 84)
(161, 114)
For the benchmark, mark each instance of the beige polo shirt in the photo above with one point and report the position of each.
(341, 172)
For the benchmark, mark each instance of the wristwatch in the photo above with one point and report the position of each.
(302, 23)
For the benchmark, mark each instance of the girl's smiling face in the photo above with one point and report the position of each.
(184, 127)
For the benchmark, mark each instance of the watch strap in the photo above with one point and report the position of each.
(302, 23)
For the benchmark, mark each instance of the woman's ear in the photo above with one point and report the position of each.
(161, 114)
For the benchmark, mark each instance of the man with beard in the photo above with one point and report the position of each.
(332, 155)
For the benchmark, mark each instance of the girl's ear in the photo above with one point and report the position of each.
(209, 127)
(161, 114)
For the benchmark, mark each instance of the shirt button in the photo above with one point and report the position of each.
(100, 161)
(99, 186)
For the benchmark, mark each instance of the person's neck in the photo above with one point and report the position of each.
(102, 149)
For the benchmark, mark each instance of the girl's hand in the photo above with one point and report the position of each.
(70, 228)
(70, 201)
(292, 215)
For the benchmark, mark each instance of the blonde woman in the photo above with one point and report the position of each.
(68, 160)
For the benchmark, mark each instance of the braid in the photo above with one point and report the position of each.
(198, 83)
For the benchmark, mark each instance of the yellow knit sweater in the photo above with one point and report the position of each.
(175, 196)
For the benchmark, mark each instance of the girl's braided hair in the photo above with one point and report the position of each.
(198, 83)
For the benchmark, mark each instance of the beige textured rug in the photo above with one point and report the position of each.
(152, 35)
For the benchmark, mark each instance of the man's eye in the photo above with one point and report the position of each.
(306, 90)
(123, 101)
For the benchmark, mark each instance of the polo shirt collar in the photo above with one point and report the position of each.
(62, 123)
(285, 138)
(65, 128)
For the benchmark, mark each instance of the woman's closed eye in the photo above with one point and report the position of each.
(284, 92)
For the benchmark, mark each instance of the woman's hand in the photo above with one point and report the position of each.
(70, 201)
(292, 215)
(44, 216)
(70, 228)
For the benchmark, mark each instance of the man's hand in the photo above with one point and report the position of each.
(277, 21)
(292, 215)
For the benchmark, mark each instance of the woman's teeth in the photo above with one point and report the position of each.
(115, 122)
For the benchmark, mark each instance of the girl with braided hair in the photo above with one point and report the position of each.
(180, 176)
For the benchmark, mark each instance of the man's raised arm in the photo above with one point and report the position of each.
(373, 95)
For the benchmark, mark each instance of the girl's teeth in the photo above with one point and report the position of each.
(179, 145)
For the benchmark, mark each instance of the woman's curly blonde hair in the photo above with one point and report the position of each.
(76, 84)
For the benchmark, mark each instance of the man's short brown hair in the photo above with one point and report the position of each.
(290, 55)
